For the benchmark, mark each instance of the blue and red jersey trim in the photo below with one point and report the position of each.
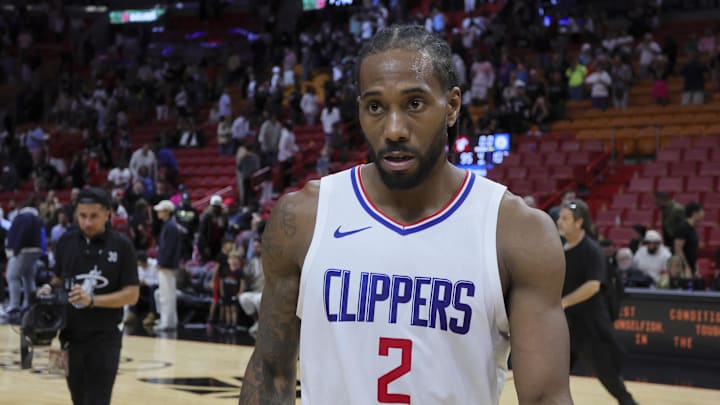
(417, 226)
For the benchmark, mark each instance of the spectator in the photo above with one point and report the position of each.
(631, 276)
(213, 225)
(694, 86)
(219, 267)
(168, 263)
(63, 224)
(621, 74)
(329, 116)
(309, 105)
(648, 50)
(247, 162)
(673, 216)
(686, 238)
(120, 177)
(188, 220)
(659, 73)
(167, 166)
(254, 281)
(677, 270)
(600, 91)
(24, 248)
(287, 148)
(557, 94)
(225, 104)
(231, 285)
(190, 136)
(9, 180)
(148, 278)
(322, 166)
(269, 138)
(483, 79)
(652, 257)
(240, 129)
(224, 136)
(576, 79)
(706, 43)
(638, 236)
(568, 196)
(143, 157)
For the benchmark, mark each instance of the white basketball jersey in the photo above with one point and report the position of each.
(402, 313)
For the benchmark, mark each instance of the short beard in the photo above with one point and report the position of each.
(406, 181)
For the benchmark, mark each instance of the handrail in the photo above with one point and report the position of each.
(205, 200)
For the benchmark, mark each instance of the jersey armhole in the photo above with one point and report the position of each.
(320, 220)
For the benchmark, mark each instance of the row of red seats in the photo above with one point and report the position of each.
(648, 217)
(621, 236)
(677, 169)
(706, 185)
(559, 145)
(695, 154)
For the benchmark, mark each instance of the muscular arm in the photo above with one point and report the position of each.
(582, 293)
(533, 268)
(270, 377)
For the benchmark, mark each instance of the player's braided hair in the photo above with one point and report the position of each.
(413, 38)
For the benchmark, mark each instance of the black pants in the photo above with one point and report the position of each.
(593, 344)
(146, 300)
(92, 367)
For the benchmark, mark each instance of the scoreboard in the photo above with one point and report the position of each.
(481, 152)
(670, 323)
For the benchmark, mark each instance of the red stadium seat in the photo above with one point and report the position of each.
(516, 173)
(521, 187)
(609, 217)
(644, 217)
(696, 155)
(537, 173)
(655, 169)
(562, 173)
(527, 146)
(671, 184)
(700, 184)
(593, 146)
(620, 236)
(555, 159)
(679, 142)
(684, 198)
(531, 159)
(570, 146)
(512, 160)
(708, 142)
(680, 169)
(548, 146)
(713, 239)
(625, 201)
(545, 186)
(497, 173)
(647, 201)
(711, 200)
(642, 185)
(669, 155)
(710, 168)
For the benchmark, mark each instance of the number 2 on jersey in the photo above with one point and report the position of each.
(405, 346)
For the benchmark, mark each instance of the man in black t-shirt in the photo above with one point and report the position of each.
(686, 238)
(103, 268)
(591, 332)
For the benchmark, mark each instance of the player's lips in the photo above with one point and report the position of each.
(398, 161)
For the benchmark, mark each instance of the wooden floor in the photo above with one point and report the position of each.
(209, 373)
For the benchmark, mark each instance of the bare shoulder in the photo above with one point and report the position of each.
(289, 229)
(528, 244)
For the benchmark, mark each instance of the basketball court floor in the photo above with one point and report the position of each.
(166, 370)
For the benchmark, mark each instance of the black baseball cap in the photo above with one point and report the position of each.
(94, 195)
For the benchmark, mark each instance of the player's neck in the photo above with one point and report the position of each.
(410, 205)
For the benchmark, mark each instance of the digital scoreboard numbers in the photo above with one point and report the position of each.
(481, 152)
(680, 324)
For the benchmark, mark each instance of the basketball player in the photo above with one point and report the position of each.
(411, 277)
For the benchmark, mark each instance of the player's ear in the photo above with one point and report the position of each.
(454, 102)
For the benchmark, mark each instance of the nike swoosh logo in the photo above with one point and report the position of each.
(340, 234)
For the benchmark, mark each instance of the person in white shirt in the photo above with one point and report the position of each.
(600, 81)
(329, 116)
(652, 257)
(240, 129)
(148, 278)
(648, 50)
(225, 104)
(143, 157)
(255, 281)
(120, 176)
(309, 105)
(287, 148)
(60, 228)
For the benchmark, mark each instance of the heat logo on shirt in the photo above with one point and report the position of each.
(434, 302)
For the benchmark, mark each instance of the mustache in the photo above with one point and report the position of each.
(398, 147)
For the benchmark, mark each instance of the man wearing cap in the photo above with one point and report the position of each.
(100, 266)
(188, 220)
(213, 226)
(168, 262)
(652, 257)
